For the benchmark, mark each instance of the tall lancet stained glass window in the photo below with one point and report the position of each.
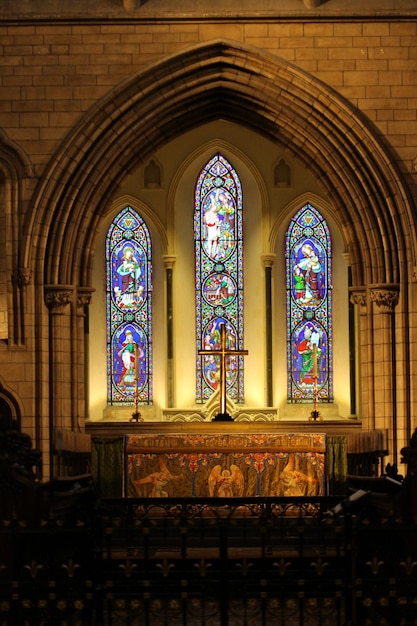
(129, 310)
(219, 276)
(309, 307)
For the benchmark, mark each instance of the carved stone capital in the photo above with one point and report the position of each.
(358, 297)
(268, 260)
(169, 261)
(84, 295)
(57, 297)
(385, 297)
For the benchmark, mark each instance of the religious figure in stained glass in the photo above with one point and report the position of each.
(219, 276)
(129, 310)
(309, 307)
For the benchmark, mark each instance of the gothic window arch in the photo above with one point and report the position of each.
(129, 310)
(309, 307)
(218, 228)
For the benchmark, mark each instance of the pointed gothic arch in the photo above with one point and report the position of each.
(270, 96)
(281, 102)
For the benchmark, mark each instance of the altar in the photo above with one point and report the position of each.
(224, 464)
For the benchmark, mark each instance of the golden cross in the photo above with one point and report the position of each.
(223, 353)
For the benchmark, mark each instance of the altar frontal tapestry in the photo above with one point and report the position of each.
(224, 465)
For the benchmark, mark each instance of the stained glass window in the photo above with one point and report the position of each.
(309, 307)
(219, 276)
(129, 310)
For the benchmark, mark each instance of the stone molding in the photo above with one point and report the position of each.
(386, 298)
(57, 297)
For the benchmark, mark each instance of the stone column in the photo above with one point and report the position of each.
(80, 359)
(385, 299)
(364, 353)
(268, 262)
(58, 298)
(169, 262)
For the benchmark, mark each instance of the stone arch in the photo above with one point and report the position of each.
(254, 89)
(15, 167)
(9, 408)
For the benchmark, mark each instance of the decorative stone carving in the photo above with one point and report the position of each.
(169, 261)
(358, 298)
(84, 297)
(58, 297)
(268, 260)
(24, 276)
(386, 298)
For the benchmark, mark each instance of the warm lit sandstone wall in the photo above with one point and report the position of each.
(52, 73)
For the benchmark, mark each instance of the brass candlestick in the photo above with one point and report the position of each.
(315, 413)
(136, 416)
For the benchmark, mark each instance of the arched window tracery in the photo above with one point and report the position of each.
(309, 307)
(218, 237)
(129, 310)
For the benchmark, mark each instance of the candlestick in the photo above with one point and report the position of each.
(314, 361)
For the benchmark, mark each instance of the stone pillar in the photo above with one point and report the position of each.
(80, 359)
(268, 262)
(24, 279)
(364, 353)
(169, 262)
(385, 299)
(58, 298)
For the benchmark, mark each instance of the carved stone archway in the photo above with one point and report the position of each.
(260, 92)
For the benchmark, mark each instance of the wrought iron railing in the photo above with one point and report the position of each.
(209, 562)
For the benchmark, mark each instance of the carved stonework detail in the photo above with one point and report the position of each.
(208, 411)
(268, 260)
(24, 276)
(57, 298)
(169, 261)
(84, 297)
(358, 298)
(385, 298)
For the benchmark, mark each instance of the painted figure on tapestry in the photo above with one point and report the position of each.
(226, 483)
(158, 481)
(291, 481)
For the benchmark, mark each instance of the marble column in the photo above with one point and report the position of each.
(169, 262)
(268, 262)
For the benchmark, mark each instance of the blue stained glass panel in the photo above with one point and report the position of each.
(309, 307)
(129, 310)
(218, 227)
